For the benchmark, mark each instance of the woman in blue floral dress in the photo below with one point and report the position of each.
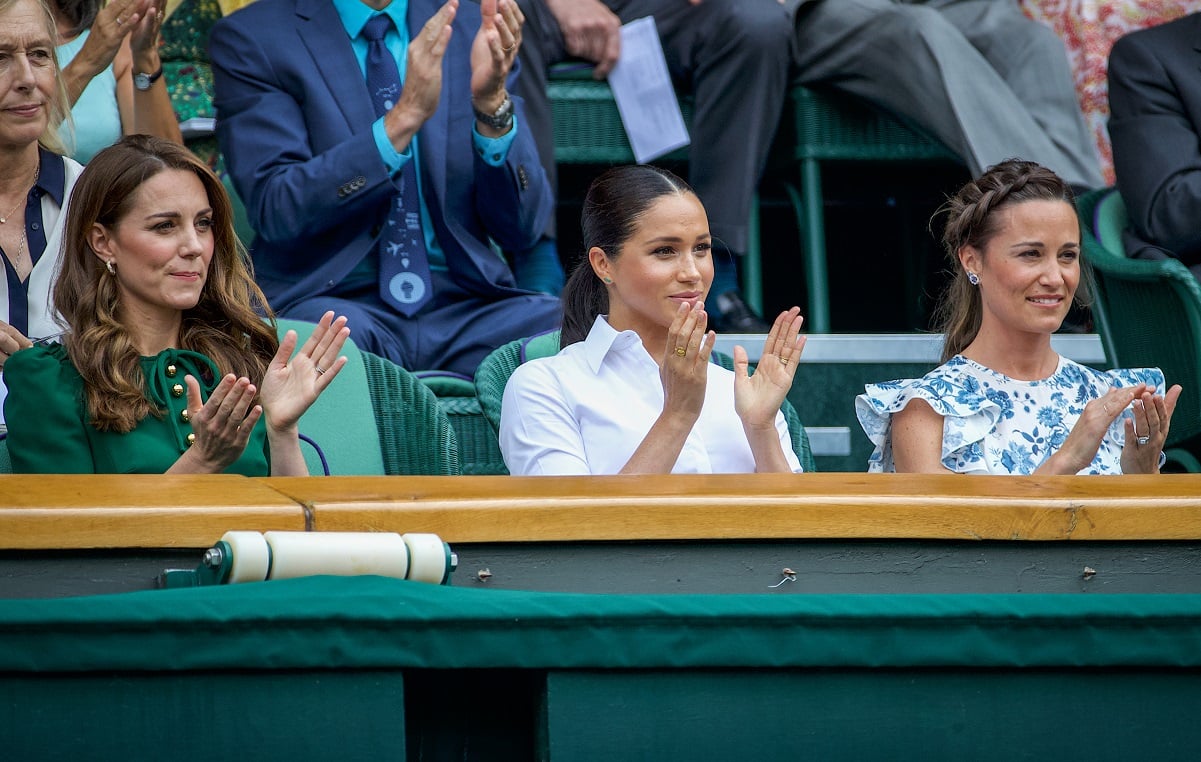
(1003, 401)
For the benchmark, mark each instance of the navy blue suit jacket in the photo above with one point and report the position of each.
(294, 123)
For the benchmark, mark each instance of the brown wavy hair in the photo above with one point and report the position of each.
(227, 323)
(59, 107)
(971, 220)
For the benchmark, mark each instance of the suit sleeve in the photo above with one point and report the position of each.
(1156, 146)
(261, 127)
(514, 199)
(44, 412)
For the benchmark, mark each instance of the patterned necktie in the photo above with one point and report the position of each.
(404, 269)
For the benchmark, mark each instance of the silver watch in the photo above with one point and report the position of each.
(143, 81)
(501, 119)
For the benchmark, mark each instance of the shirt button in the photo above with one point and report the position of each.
(184, 416)
(36, 226)
(177, 390)
(171, 371)
(191, 439)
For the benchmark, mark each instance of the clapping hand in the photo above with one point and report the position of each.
(222, 425)
(757, 398)
(1147, 430)
(292, 385)
(684, 367)
(493, 52)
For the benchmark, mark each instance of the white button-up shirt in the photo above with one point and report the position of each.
(586, 409)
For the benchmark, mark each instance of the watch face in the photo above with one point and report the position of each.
(141, 81)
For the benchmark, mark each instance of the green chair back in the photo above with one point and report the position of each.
(375, 418)
(495, 370)
(1148, 312)
(479, 450)
(415, 436)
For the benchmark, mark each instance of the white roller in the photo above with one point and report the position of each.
(251, 556)
(299, 554)
(427, 557)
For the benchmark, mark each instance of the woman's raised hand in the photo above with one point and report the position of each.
(1147, 431)
(684, 367)
(1082, 443)
(222, 425)
(291, 386)
(757, 398)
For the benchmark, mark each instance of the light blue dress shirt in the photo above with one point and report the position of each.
(355, 15)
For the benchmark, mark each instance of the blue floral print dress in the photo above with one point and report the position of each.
(993, 424)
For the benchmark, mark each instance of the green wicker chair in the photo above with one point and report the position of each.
(375, 418)
(1148, 313)
(495, 370)
(415, 436)
(479, 450)
(831, 126)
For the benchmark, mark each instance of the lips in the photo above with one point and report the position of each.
(32, 109)
(1046, 301)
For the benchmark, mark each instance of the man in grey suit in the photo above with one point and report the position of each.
(1155, 125)
(731, 55)
(977, 74)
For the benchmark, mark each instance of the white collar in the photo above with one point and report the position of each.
(604, 338)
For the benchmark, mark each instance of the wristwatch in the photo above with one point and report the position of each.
(143, 81)
(501, 119)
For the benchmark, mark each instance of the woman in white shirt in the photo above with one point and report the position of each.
(633, 389)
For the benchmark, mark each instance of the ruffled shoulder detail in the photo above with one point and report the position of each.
(41, 367)
(969, 411)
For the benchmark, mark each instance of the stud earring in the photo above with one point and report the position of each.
(108, 264)
(607, 279)
(973, 278)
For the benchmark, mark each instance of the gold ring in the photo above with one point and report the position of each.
(681, 351)
(784, 361)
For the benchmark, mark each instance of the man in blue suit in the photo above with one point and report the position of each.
(386, 200)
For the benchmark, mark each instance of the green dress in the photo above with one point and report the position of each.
(49, 429)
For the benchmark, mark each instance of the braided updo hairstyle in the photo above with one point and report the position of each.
(971, 220)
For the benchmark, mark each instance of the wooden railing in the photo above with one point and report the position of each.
(80, 512)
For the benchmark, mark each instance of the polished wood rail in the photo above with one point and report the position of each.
(72, 512)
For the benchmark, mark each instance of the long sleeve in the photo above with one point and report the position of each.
(44, 412)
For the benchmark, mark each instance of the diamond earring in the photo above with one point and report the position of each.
(973, 278)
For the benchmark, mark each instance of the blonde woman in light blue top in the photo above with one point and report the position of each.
(1004, 401)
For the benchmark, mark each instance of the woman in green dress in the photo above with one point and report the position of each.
(167, 365)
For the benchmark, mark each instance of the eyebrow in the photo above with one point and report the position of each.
(673, 238)
(1040, 244)
(43, 42)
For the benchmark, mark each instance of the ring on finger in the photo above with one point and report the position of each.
(319, 369)
(681, 351)
(784, 361)
(120, 21)
(1143, 440)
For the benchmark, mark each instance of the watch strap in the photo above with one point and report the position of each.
(143, 81)
(501, 119)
